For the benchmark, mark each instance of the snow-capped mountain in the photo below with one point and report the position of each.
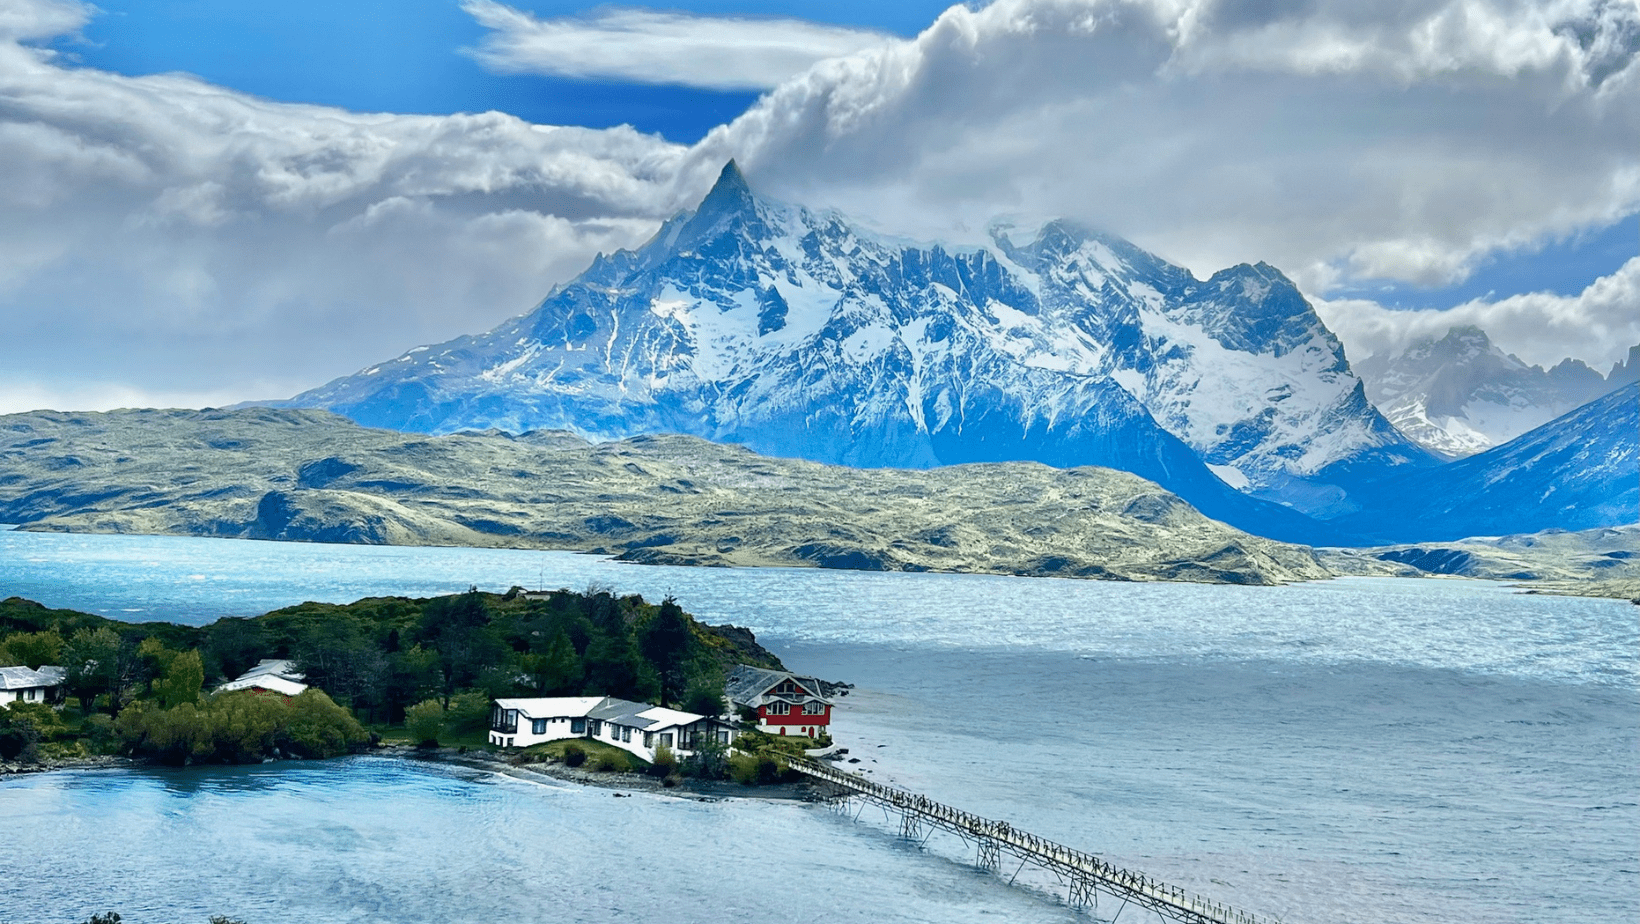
(798, 334)
(1461, 394)
(1579, 471)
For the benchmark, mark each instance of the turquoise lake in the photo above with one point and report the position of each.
(1351, 750)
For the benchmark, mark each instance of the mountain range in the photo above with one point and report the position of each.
(798, 334)
(1460, 395)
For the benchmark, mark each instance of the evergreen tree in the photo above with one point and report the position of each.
(667, 644)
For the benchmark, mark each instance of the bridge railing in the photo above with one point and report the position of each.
(1159, 896)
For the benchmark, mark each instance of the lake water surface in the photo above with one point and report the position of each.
(1354, 750)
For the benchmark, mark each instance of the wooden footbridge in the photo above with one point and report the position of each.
(1084, 874)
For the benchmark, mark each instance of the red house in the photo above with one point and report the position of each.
(786, 704)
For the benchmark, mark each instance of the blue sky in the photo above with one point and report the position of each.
(406, 56)
(1563, 266)
(218, 236)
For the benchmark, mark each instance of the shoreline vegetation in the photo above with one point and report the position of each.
(394, 670)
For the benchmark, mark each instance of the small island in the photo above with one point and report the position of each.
(437, 676)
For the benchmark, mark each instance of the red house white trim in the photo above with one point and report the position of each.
(785, 703)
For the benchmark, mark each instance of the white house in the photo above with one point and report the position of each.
(274, 676)
(785, 703)
(637, 728)
(22, 684)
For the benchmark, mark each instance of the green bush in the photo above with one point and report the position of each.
(743, 768)
(241, 727)
(425, 722)
(614, 762)
(469, 713)
(574, 755)
(665, 762)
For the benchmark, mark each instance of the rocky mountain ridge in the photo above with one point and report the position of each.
(1461, 394)
(797, 334)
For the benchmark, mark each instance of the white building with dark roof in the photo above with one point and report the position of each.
(272, 675)
(637, 728)
(26, 685)
(785, 703)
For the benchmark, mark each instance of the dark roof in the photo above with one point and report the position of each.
(749, 686)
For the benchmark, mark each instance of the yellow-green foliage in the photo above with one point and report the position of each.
(665, 763)
(181, 680)
(239, 728)
(614, 761)
(743, 768)
(425, 722)
(32, 649)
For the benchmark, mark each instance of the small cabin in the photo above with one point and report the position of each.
(270, 676)
(27, 685)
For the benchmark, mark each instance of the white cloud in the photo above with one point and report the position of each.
(647, 46)
(190, 239)
(1597, 325)
(167, 232)
(1341, 140)
(32, 20)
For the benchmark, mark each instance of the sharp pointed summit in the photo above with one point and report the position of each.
(797, 333)
(730, 192)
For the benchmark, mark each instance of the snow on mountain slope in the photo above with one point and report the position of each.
(1461, 394)
(797, 334)
(1578, 471)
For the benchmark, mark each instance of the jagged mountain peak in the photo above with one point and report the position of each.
(799, 333)
(1461, 394)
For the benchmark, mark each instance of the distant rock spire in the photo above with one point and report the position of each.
(729, 194)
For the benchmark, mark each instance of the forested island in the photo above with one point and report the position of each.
(141, 689)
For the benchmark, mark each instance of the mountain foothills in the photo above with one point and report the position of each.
(797, 334)
(265, 473)
(1461, 394)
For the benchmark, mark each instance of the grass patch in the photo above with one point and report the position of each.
(597, 754)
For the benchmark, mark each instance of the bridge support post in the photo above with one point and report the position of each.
(911, 825)
(990, 855)
(1083, 894)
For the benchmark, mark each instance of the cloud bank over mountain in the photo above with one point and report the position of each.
(164, 236)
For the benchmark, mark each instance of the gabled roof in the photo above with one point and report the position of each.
(277, 675)
(749, 686)
(24, 678)
(641, 716)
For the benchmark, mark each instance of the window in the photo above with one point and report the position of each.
(577, 726)
(814, 708)
(780, 709)
(614, 732)
(666, 738)
(595, 727)
(538, 726)
(626, 735)
(648, 739)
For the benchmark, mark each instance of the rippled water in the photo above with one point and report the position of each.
(1358, 750)
(1470, 625)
